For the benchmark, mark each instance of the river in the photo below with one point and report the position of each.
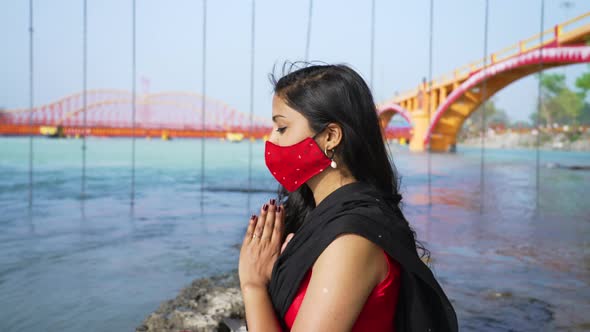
(97, 264)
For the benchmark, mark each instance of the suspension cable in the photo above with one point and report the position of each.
(203, 105)
(372, 62)
(84, 97)
(309, 21)
(429, 103)
(134, 102)
(252, 63)
(483, 111)
(31, 103)
(538, 117)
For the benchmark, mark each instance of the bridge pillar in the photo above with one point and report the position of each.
(420, 123)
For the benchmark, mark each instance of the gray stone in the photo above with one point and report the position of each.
(201, 307)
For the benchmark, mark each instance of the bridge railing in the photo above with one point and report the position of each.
(574, 23)
(548, 37)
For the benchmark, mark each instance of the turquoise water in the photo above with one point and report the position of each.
(97, 264)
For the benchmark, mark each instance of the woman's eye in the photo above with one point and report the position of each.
(281, 130)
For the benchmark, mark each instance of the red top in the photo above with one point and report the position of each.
(376, 315)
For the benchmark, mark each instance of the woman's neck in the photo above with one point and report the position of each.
(327, 182)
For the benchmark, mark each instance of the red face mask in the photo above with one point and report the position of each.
(293, 165)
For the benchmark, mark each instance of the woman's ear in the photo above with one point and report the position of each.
(333, 136)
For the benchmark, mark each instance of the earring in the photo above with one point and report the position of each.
(333, 163)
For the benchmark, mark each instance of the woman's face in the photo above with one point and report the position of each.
(289, 126)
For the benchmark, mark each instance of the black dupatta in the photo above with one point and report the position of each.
(358, 208)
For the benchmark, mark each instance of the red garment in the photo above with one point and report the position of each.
(376, 314)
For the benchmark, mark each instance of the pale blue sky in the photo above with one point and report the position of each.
(169, 44)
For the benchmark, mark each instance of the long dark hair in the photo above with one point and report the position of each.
(326, 94)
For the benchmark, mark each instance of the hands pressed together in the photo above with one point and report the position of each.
(262, 246)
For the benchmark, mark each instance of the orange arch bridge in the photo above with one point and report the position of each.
(438, 113)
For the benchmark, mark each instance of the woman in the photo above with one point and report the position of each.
(349, 261)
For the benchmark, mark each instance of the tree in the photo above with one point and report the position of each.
(584, 117)
(493, 116)
(559, 104)
(583, 85)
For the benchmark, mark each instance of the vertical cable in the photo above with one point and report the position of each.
(31, 103)
(203, 105)
(84, 96)
(483, 111)
(309, 21)
(538, 117)
(372, 62)
(252, 58)
(430, 46)
(134, 102)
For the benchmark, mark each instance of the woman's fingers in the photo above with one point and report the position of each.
(261, 221)
(270, 221)
(277, 232)
(250, 229)
(268, 226)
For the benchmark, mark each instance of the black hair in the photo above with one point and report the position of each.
(326, 94)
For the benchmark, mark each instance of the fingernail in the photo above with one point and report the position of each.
(253, 217)
(279, 209)
(265, 207)
(272, 201)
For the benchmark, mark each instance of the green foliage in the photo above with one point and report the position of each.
(559, 103)
(493, 116)
(573, 136)
(552, 84)
(566, 106)
(583, 83)
(584, 117)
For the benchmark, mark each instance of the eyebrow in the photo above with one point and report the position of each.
(276, 116)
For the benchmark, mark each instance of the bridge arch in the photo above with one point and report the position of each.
(113, 108)
(449, 116)
(387, 111)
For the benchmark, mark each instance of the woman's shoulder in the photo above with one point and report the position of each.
(354, 253)
(371, 231)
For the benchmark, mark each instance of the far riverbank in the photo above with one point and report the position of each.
(513, 140)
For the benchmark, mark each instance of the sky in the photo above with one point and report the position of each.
(169, 44)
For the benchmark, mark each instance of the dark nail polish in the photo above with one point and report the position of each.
(279, 209)
(253, 216)
(272, 201)
(265, 207)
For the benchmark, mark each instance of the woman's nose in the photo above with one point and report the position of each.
(272, 137)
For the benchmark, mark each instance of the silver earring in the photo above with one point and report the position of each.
(333, 163)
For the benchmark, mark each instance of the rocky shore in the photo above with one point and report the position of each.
(208, 304)
(514, 140)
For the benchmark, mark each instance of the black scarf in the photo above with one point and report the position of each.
(359, 208)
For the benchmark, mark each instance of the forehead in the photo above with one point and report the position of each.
(280, 110)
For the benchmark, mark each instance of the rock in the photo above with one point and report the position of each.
(200, 307)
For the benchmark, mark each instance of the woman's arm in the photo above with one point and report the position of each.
(260, 314)
(343, 277)
(260, 249)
